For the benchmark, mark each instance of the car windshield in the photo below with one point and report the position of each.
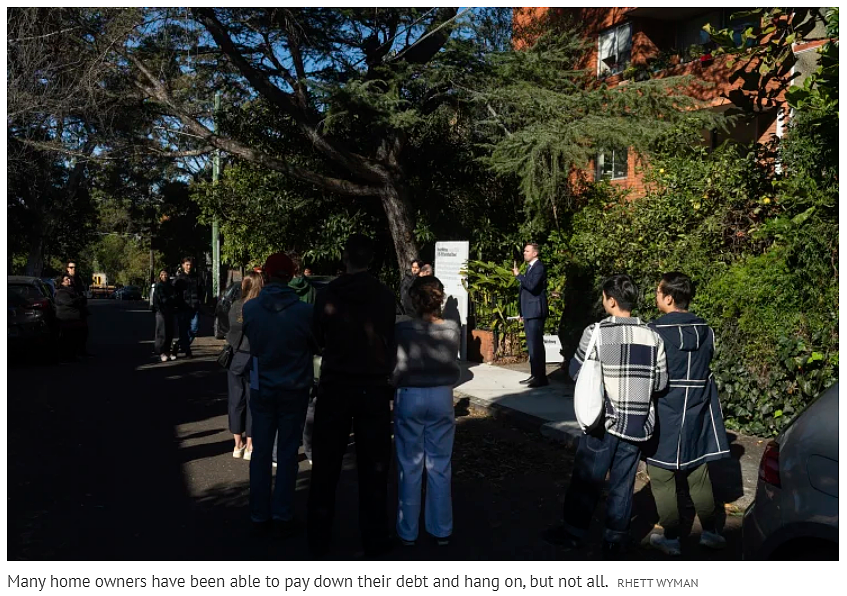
(28, 292)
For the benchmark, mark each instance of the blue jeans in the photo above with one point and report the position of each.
(275, 414)
(424, 427)
(598, 453)
(189, 321)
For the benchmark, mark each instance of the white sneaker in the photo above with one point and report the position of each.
(712, 540)
(172, 356)
(163, 358)
(238, 453)
(669, 546)
(247, 454)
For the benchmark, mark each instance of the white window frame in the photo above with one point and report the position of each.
(600, 162)
(616, 37)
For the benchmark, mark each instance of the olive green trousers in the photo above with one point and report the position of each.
(663, 487)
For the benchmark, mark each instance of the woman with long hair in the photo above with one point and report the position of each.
(424, 423)
(164, 303)
(238, 374)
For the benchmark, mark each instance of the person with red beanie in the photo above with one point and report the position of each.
(277, 325)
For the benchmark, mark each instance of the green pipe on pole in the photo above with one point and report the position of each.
(216, 238)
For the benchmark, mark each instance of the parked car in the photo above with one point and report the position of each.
(795, 513)
(128, 293)
(31, 313)
(51, 285)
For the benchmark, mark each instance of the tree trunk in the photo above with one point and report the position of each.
(35, 259)
(398, 212)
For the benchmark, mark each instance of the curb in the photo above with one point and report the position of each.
(567, 433)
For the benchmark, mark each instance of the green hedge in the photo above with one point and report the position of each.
(761, 246)
(763, 256)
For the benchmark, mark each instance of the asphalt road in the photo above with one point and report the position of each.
(121, 457)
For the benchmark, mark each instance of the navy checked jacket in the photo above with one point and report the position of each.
(634, 366)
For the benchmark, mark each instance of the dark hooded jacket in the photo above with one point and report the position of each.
(354, 325)
(303, 288)
(277, 326)
(164, 298)
(405, 299)
(689, 425)
(70, 306)
(189, 290)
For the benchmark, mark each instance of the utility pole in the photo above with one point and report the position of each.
(216, 239)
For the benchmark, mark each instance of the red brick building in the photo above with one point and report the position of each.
(658, 42)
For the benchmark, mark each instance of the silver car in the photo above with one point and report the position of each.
(795, 513)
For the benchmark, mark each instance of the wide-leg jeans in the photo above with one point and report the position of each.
(424, 428)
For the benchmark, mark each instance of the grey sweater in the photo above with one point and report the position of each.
(426, 354)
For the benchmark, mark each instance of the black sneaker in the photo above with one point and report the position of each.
(283, 529)
(444, 541)
(558, 536)
(379, 549)
(614, 551)
(188, 354)
(262, 528)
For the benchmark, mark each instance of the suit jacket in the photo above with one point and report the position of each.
(533, 292)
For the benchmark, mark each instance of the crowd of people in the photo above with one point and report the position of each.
(661, 401)
(307, 366)
(279, 397)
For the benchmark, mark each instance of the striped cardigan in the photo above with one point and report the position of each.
(634, 366)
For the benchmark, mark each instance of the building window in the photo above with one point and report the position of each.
(614, 50)
(612, 165)
(691, 33)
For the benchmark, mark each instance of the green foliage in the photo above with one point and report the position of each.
(763, 55)
(261, 212)
(820, 89)
(493, 292)
(762, 250)
(548, 118)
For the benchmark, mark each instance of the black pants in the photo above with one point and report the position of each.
(164, 333)
(71, 338)
(240, 418)
(309, 427)
(535, 345)
(368, 409)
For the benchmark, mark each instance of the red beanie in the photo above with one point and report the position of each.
(279, 263)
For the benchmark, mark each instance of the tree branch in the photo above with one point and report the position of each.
(284, 17)
(353, 162)
(431, 42)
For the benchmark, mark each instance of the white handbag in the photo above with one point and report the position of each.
(589, 394)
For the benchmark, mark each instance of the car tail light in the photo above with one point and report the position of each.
(43, 304)
(769, 468)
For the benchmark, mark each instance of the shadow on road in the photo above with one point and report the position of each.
(123, 458)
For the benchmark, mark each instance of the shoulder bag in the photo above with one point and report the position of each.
(228, 352)
(589, 394)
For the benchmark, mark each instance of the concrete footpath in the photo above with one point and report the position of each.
(550, 410)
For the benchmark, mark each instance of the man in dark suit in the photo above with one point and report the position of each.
(533, 311)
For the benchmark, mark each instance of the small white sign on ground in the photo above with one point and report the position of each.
(552, 349)
(451, 258)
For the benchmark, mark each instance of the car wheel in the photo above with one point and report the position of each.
(806, 550)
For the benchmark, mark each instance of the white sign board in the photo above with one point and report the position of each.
(552, 349)
(450, 259)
